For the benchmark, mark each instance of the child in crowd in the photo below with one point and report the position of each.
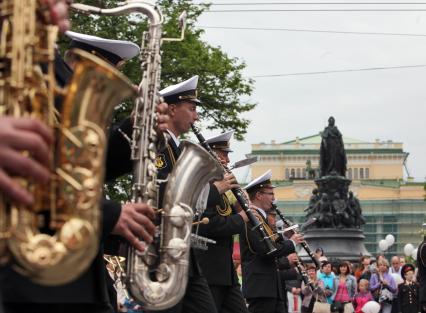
(363, 296)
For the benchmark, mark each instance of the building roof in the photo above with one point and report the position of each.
(311, 145)
(316, 139)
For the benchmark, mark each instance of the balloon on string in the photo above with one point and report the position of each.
(408, 249)
(383, 245)
(390, 239)
(414, 254)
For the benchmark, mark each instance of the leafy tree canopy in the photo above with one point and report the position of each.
(221, 84)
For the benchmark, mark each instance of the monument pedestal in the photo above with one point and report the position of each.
(344, 244)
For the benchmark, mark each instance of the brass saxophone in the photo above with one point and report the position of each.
(157, 278)
(56, 239)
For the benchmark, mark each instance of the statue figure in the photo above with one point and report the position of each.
(309, 170)
(324, 212)
(342, 217)
(332, 151)
(312, 202)
(355, 210)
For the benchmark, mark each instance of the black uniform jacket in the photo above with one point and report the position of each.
(165, 162)
(408, 298)
(90, 287)
(261, 277)
(421, 274)
(216, 262)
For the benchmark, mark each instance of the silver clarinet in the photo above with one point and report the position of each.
(157, 278)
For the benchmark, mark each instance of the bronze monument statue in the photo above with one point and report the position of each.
(332, 151)
(337, 210)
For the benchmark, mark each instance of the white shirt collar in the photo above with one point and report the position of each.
(262, 212)
(176, 141)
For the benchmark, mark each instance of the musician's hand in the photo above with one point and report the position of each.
(229, 182)
(292, 258)
(135, 222)
(162, 116)
(297, 238)
(244, 216)
(295, 291)
(385, 282)
(59, 13)
(18, 135)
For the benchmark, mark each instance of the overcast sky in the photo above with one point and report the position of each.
(386, 104)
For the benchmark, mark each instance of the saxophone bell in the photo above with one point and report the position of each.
(55, 240)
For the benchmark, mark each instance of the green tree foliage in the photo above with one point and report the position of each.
(221, 84)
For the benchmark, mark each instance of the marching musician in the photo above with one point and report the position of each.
(182, 111)
(421, 274)
(88, 293)
(19, 134)
(261, 280)
(224, 222)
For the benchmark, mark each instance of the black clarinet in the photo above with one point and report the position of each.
(299, 264)
(287, 224)
(240, 196)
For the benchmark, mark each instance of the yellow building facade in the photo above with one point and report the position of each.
(390, 203)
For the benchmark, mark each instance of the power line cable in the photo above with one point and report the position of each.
(313, 10)
(311, 31)
(310, 3)
(341, 71)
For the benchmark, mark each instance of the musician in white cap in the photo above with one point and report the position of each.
(226, 219)
(110, 50)
(261, 281)
(119, 220)
(182, 103)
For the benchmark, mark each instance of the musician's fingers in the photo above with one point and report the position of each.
(146, 223)
(33, 125)
(13, 190)
(16, 163)
(139, 231)
(133, 240)
(31, 142)
(234, 186)
(145, 209)
(161, 108)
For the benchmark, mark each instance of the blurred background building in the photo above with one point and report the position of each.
(390, 203)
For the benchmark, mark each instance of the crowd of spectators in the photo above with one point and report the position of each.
(370, 286)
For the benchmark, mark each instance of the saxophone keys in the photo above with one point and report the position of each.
(43, 251)
(179, 216)
(74, 233)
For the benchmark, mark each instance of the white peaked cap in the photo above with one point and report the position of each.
(371, 307)
(123, 49)
(186, 90)
(221, 141)
(257, 182)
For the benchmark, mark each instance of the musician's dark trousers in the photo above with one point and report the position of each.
(197, 298)
(266, 305)
(228, 299)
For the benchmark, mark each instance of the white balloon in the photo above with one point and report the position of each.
(408, 249)
(383, 245)
(390, 239)
(414, 254)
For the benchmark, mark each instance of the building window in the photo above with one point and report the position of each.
(367, 173)
(292, 173)
(287, 173)
(355, 173)
(361, 173)
(298, 173)
(350, 173)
